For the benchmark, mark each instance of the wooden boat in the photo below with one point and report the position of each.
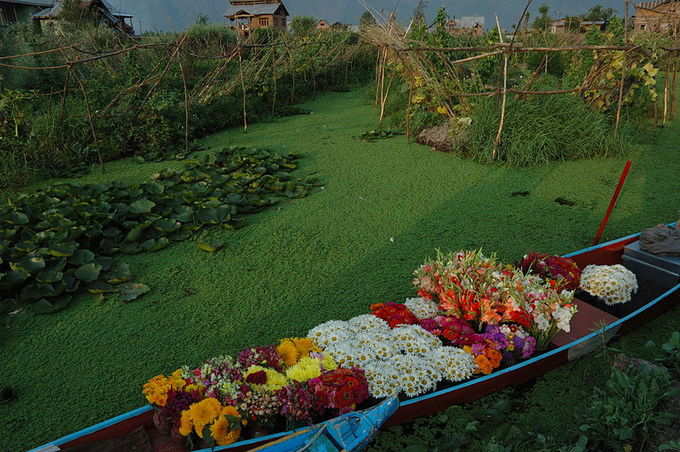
(590, 328)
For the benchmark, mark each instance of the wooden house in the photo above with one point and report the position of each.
(470, 25)
(102, 10)
(20, 11)
(660, 16)
(574, 24)
(248, 15)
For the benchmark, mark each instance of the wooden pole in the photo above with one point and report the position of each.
(626, 22)
(665, 98)
(612, 203)
(504, 101)
(620, 104)
(186, 109)
(243, 90)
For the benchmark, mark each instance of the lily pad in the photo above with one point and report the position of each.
(82, 257)
(88, 272)
(131, 291)
(212, 246)
(142, 206)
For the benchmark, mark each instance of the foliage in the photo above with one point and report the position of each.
(541, 129)
(543, 22)
(303, 25)
(599, 12)
(61, 239)
(625, 413)
(133, 104)
(669, 352)
(381, 134)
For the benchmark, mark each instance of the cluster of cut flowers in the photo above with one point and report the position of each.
(472, 317)
(614, 284)
(293, 381)
(558, 271)
(478, 289)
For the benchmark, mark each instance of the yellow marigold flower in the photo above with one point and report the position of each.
(223, 430)
(204, 412)
(305, 346)
(185, 424)
(304, 370)
(176, 380)
(288, 352)
(156, 390)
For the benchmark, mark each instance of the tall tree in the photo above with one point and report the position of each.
(598, 12)
(543, 21)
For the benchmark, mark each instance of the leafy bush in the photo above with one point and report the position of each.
(134, 103)
(625, 412)
(59, 240)
(541, 129)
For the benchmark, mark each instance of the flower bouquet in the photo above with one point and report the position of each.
(473, 315)
(610, 288)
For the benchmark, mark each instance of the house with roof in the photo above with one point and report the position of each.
(660, 16)
(102, 10)
(20, 11)
(574, 24)
(248, 15)
(472, 25)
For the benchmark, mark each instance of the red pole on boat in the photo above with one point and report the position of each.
(612, 203)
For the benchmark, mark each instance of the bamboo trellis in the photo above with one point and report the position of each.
(415, 59)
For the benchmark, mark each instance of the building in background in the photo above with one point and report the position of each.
(576, 24)
(473, 25)
(248, 15)
(660, 16)
(102, 10)
(21, 11)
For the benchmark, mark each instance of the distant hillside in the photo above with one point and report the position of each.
(175, 15)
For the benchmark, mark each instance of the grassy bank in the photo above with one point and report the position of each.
(384, 208)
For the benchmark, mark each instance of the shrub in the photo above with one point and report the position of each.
(541, 129)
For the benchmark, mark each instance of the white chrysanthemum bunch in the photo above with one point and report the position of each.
(383, 379)
(615, 284)
(368, 322)
(422, 308)
(379, 344)
(454, 364)
(418, 375)
(332, 332)
(343, 353)
(414, 339)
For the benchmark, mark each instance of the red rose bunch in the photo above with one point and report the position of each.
(340, 389)
(394, 314)
(564, 272)
(450, 328)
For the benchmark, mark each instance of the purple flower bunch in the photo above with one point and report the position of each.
(511, 340)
